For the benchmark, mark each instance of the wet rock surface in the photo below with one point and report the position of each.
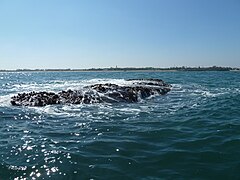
(135, 90)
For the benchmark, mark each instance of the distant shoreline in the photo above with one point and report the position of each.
(146, 69)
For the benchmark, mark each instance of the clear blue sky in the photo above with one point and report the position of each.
(126, 33)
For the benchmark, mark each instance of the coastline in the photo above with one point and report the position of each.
(147, 69)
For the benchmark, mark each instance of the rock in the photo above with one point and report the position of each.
(97, 93)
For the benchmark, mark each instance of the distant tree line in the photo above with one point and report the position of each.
(183, 68)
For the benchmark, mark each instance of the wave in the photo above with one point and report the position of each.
(57, 85)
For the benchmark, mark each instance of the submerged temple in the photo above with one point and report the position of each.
(133, 91)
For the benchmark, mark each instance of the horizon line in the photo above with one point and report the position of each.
(126, 68)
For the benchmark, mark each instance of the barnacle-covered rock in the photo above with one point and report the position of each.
(97, 93)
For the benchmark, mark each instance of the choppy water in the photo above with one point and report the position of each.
(193, 132)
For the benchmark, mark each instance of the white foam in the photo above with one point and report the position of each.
(5, 100)
(64, 85)
(120, 82)
(127, 109)
(49, 110)
(199, 90)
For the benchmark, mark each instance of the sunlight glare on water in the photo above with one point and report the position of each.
(191, 132)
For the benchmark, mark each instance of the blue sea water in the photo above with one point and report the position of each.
(193, 132)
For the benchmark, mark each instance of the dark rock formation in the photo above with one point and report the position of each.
(97, 93)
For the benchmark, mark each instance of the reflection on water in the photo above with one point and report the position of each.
(191, 132)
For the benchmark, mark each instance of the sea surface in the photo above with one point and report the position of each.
(193, 132)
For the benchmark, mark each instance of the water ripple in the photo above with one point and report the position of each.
(191, 133)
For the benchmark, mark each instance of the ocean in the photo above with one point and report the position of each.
(193, 132)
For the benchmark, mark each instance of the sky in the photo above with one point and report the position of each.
(80, 34)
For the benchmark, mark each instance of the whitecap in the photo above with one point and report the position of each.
(5, 100)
